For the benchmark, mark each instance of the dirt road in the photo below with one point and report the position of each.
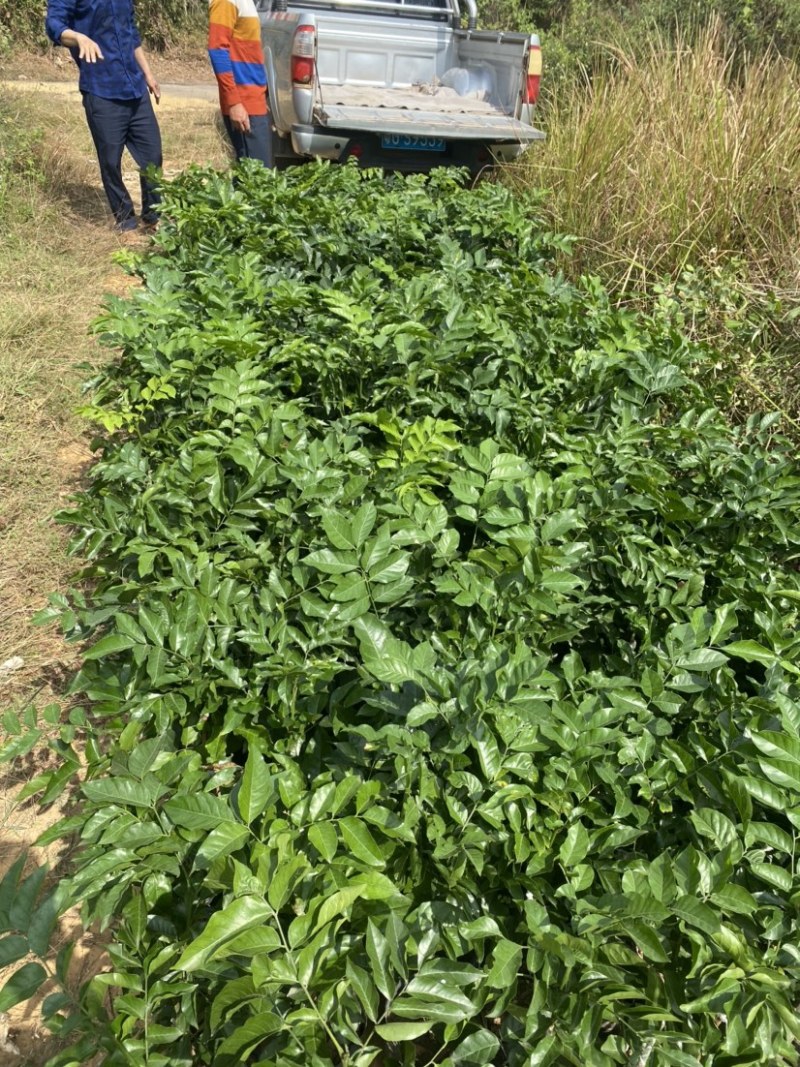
(172, 95)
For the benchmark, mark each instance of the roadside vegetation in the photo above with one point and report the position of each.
(47, 265)
(163, 23)
(50, 271)
(687, 155)
(56, 251)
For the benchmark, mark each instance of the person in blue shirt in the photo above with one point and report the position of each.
(116, 84)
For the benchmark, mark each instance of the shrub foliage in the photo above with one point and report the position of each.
(160, 21)
(443, 682)
(581, 23)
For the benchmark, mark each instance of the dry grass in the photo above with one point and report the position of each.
(56, 264)
(687, 155)
(689, 158)
(53, 261)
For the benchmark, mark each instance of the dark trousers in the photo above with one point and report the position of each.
(254, 145)
(116, 125)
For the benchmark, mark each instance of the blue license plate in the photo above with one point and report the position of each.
(411, 142)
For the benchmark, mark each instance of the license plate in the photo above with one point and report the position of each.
(411, 141)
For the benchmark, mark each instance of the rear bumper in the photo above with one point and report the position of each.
(318, 142)
(338, 145)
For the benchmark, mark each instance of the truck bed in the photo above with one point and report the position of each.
(423, 97)
(464, 126)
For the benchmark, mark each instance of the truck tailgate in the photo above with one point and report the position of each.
(447, 124)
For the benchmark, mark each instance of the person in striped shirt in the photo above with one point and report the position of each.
(234, 47)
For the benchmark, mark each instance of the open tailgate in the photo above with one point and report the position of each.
(490, 128)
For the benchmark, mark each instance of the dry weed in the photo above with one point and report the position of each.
(683, 155)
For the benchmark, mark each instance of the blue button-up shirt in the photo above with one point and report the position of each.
(111, 25)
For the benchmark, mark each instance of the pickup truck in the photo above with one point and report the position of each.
(399, 84)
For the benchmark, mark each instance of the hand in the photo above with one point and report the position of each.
(240, 120)
(87, 49)
(154, 87)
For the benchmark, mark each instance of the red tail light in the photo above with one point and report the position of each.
(302, 70)
(533, 75)
(304, 48)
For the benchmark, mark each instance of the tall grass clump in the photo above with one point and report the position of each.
(678, 169)
(19, 163)
(680, 156)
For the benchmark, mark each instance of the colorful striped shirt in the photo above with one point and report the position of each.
(234, 47)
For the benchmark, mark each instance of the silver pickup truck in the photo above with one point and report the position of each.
(397, 83)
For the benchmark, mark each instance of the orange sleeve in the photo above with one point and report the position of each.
(222, 16)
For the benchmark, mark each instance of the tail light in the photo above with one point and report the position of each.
(304, 49)
(533, 75)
